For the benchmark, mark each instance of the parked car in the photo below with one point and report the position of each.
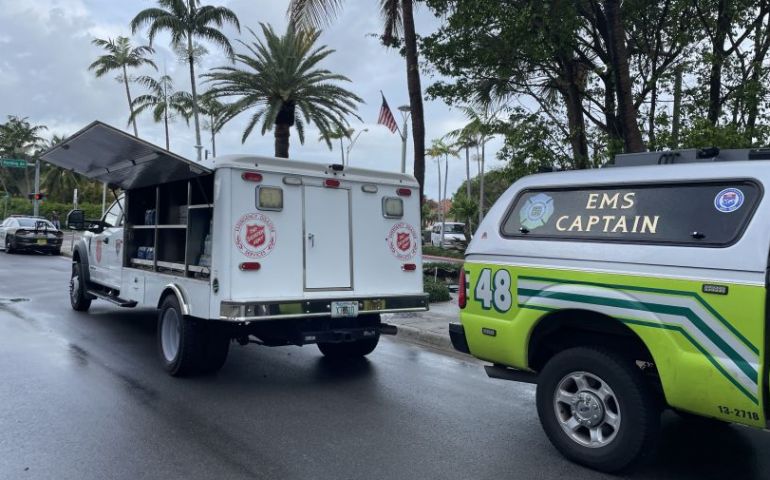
(454, 235)
(36, 234)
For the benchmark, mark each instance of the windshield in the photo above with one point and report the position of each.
(454, 228)
(31, 222)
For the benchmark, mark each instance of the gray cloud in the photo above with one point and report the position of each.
(45, 51)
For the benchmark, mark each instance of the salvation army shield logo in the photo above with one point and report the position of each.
(255, 235)
(402, 241)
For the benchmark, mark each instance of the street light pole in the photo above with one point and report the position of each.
(36, 202)
(405, 111)
(353, 144)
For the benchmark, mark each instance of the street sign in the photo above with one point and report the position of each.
(13, 163)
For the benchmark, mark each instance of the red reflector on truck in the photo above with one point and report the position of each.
(409, 267)
(404, 192)
(461, 297)
(251, 176)
(331, 183)
(250, 266)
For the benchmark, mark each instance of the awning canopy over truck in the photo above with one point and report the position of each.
(109, 155)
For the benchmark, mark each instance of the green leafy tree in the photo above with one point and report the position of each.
(121, 56)
(398, 20)
(187, 20)
(280, 78)
(163, 101)
(19, 139)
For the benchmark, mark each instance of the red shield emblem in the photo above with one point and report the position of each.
(404, 241)
(255, 235)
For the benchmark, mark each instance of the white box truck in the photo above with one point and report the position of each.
(244, 248)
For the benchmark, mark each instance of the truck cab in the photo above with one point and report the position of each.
(245, 248)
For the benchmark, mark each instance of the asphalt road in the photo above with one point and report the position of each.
(82, 396)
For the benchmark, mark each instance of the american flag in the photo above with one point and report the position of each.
(386, 117)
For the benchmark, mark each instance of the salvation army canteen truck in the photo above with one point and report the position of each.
(244, 248)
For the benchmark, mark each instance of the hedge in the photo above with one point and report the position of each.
(437, 291)
(442, 252)
(22, 206)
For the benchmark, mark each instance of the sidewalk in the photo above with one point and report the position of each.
(428, 328)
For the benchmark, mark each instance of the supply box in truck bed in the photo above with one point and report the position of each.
(245, 248)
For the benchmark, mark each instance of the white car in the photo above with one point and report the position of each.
(454, 234)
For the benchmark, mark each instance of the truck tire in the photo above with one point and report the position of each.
(597, 409)
(8, 245)
(215, 350)
(359, 348)
(180, 339)
(78, 297)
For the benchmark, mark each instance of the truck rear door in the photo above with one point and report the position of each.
(327, 229)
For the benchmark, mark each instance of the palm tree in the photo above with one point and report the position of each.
(121, 56)
(398, 18)
(481, 128)
(281, 80)
(337, 134)
(185, 20)
(437, 150)
(217, 115)
(163, 100)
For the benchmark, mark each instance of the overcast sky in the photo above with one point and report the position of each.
(45, 51)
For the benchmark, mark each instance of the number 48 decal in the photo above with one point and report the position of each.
(494, 290)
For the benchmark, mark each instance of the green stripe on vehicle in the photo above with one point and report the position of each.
(662, 291)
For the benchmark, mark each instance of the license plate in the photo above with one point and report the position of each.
(42, 241)
(344, 309)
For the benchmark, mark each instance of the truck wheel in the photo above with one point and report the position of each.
(215, 350)
(359, 348)
(179, 339)
(78, 296)
(8, 245)
(597, 409)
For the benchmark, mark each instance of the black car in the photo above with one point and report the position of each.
(31, 234)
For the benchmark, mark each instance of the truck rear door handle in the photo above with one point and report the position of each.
(311, 239)
(106, 240)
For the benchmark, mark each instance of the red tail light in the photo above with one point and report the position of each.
(461, 296)
(331, 183)
(404, 192)
(249, 266)
(251, 176)
(409, 267)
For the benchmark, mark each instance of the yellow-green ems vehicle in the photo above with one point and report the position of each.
(625, 290)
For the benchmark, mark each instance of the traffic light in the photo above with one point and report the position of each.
(36, 196)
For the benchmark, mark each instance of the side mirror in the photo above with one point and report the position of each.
(76, 220)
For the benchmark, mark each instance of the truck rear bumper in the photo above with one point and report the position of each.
(457, 335)
(263, 311)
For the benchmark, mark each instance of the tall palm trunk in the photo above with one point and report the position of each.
(443, 198)
(191, 59)
(481, 181)
(130, 104)
(440, 206)
(165, 114)
(213, 138)
(468, 171)
(415, 93)
(282, 132)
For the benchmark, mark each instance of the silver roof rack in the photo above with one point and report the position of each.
(703, 155)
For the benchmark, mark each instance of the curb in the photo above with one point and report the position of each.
(424, 337)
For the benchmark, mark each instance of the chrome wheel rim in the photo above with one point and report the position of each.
(170, 334)
(74, 288)
(587, 409)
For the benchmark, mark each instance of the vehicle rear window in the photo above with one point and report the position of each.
(31, 222)
(703, 214)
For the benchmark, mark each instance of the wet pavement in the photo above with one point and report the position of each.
(83, 396)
